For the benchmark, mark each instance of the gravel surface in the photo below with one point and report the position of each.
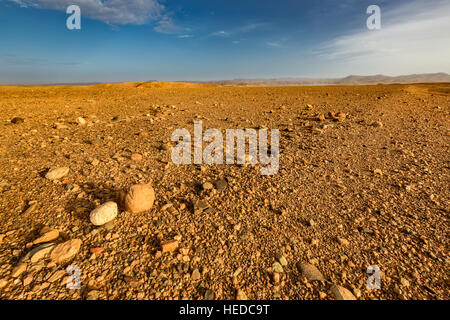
(363, 180)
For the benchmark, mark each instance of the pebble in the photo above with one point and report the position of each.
(277, 267)
(18, 270)
(342, 293)
(240, 295)
(47, 236)
(209, 295)
(65, 251)
(80, 121)
(17, 120)
(41, 252)
(221, 185)
(310, 272)
(139, 198)
(282, 260)
(377, 124)
(57, 173)
(104, 213)
(404, 282)
(195, 275)
(169, 246)
(57, 275)
(343, 241)
(207, 186)
(136, 157)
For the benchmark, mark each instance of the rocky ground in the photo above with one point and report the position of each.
(369, 186)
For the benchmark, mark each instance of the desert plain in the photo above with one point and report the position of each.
(363, 181)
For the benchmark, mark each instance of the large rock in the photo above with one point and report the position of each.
(104, 213)
(139, 198)
(65, 251)
(341, 293)
(310, 272)
(47, 235)
(57, 173)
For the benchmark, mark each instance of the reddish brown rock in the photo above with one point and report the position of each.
(139, 198)
(169, 246)
(65, 251)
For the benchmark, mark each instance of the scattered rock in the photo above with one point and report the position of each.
(65, 251)
(18, 270)
(342, 293)
(195, 275)
(310, 272)
(17, 120)
(139, 198)
(240, 295)
(200, 206)
(343, 241)
(282, 259)
(81, 121)
(277, 267)
(104, 213)
(169, 246)
(377, 124)
(136, 157)
(221, 185)
(57, 173)
(47, 236)
(207, 186)
(209, 295)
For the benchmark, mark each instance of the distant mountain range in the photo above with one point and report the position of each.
(350, 80)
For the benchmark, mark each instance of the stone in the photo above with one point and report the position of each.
(57, 173)
(195, 275)
(240, 295)
(81, 121)
(18, 270)
(282, 259)
(200, 206)
(47, 236)
(139, 198)
(340, 115)
(104, 213)
(65, 251)
(343, 241)
(17, 120)
(277, 267)
(377, 124)
(209, 295)
(96, 251)
(310, 272)
(404, 282)
(221, 185)
(41, 252)
(27, 281)
(57, 275)
(341, 293)
(207, 186)
(169, 246)
(136, 157)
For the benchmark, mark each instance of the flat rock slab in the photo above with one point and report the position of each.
(57, 173)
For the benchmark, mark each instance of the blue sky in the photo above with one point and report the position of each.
(140, 40)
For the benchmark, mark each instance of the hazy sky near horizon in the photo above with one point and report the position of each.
(140, 40)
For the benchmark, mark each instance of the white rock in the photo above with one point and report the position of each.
(57, 173)
(81, 121)
(104, 213)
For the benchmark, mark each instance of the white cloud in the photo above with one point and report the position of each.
(108, 11)
(412, 36)
(221, 33)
